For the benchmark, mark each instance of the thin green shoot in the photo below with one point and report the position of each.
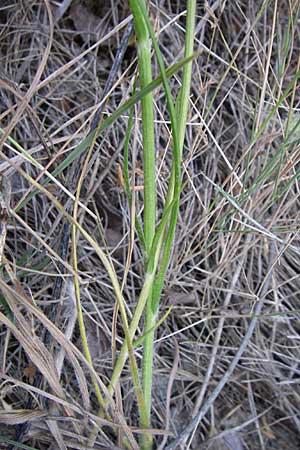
(81, 148)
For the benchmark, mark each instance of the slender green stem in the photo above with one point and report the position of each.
(145, 77)
(178, 123)
(182, 102)
(144, 295)
(182, 105)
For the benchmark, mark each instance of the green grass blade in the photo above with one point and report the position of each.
(74, 154)
(6, 440)
(143, 45)
(173, 194)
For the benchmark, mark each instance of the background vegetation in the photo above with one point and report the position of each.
(226, 368)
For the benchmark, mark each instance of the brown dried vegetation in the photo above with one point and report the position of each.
(236, 258)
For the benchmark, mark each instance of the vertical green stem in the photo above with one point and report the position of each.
(182, 105)
(145, 76)
(182, 102)
(178, 124)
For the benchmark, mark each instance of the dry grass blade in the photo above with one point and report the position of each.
(18, 113)
(32, 345)
(16, 417)
(4, 213)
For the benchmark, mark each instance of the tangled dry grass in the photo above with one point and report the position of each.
(227, 357)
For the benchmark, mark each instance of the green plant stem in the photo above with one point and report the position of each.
(182, 105)
(144, 295)
(128, 339)
(182, 102)
(178, 123)
(145, 77)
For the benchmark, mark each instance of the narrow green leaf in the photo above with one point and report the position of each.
(74, 154)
